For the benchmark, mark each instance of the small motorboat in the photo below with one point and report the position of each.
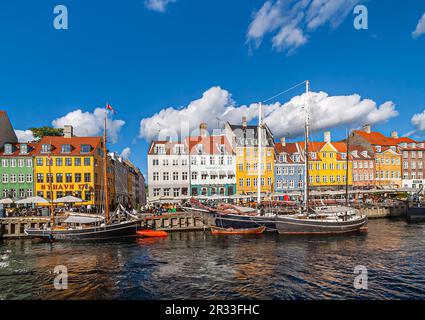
(218, 230)
(152, 233)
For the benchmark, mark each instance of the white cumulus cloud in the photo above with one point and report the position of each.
(90, 123)
(158, 5)
(292, 21)
(420, 27)
(126, 153)
(284, 119)
(418, 121)
(24, 135)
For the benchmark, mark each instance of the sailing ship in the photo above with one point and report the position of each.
(87, 226)
(322, 220)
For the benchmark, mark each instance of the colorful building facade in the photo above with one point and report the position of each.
(17, 170)
(363, 168)
(328, 164)
(70, 166)
(212, 166)
(244, 139)
(413, 164)
(289, 167)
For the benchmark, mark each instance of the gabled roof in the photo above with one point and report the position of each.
(247, 136)
(288, 148)
(210, 145)
(16, 150)
(75, 143)
(340, 147)
(359, 155)
(377, 138)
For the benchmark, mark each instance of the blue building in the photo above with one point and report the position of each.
(289, 167)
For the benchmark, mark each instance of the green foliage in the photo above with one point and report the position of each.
(46, 131)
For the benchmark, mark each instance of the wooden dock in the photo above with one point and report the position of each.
(12, 228)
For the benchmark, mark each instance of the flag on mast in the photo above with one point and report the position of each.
(109, 107)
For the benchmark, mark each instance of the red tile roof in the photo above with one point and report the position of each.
(169, 147)
(211, 144)
(290, 147)
(75, 143)
(16, 150)
(377, 138)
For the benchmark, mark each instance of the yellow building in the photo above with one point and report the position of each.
(387, 167)
(245, 141)
(76, 168)
(328, 164)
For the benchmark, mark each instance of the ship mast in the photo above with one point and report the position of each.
(105, 171)
(307, 129)
(346, 168)
(52, 208)
(259, 156)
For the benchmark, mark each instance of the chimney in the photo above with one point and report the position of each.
(283, 141)
(244, 123)
(327, 136)
(367, 128)
(68, 131)
(394, 135)
(203, 128)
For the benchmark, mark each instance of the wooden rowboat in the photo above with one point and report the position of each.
(152, 233)
(218, 230)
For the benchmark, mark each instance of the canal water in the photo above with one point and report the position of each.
(197, 265)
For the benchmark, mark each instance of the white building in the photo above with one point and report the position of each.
(168, 169)
(212, 165)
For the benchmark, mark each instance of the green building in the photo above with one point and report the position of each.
(17, 170)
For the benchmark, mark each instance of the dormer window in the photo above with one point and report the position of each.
(199, 148)
(343, 156)
(313, 155)
(378, 148)
(23, 149)
(159, 149)
(85, 148)
(8, 148)
(222, 149)
(178, 149)
(46, 148)
(354, 153)
(393, 148)
(66, 148)
(364, 154)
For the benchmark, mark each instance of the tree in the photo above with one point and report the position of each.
(46, 131)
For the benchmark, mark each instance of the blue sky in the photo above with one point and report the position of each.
(143, 60)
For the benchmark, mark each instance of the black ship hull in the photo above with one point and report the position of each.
(244, 222)
(293, 225)
(416, 213)
(105, 232)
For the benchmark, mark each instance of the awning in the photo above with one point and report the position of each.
(222, 173)
(230, 173)
(204, 172)
(213, 173)
(82, 220)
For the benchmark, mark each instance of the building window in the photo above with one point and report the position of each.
(68, 178)
(165, 176)
(87, 162)
(248, 182)
(155, 176)
(175, 176)
(176, 192)
(45, 148)
(194, 175)
(21, 178)
(4, 163)
(167, 192)
(66, 148)
(29, 178)
(7, 149)
(77, 162)
(5, 178)
(85, 148)
(12, 163)
(184, 176)
(240, 182)
(59, 177)
(156, 192)
(29, 193)
(20, 163)
(13, 178)
(77, 177)
(87, 177)
(87, 195)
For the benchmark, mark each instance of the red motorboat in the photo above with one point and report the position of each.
(217, 230)
(152, 233)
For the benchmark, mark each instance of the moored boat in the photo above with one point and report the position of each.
(152, 233)
(229, 231)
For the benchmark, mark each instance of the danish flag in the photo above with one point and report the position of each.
(109, 107)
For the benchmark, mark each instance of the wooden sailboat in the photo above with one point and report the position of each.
(320, 220)
(90, 227)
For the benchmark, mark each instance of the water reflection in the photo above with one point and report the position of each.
(196, 265)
